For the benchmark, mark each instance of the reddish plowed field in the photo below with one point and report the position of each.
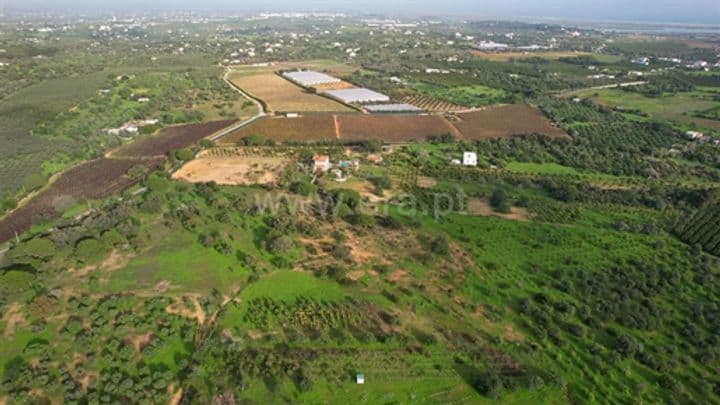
(393, 128)
(506, 121)
(310, 128)
(92, 180)
(170, 139)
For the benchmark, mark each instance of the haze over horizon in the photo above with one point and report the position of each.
(664, 11)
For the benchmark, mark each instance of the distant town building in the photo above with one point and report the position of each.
(694, 134)
(360, 379)
(641, 61)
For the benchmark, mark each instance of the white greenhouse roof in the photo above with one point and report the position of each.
(390, 108)
(357, 96)
(310, 78)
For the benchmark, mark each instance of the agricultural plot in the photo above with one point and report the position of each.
(170, 139)
(433, 105)
(232, 170)
(505, 121)
(393, 128)
(680, 107)
(89, 181)
(495, 122)
(308, 128)
(468, 94)
(281, 95)
(507, 56)
(702, 229)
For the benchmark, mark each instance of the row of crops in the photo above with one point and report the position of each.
(305, 313)
(629, 136)
(431, 104)
(703, 229)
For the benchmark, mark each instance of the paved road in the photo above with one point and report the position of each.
(607, 86)
(261, 111)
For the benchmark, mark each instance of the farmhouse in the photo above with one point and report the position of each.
(641, 61)
(375, 158)
(310, 78)
(321, 163)
(694, 134)
(358, 96)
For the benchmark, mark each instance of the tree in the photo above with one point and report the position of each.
(255, 140)
(281, 245)
(498, 200)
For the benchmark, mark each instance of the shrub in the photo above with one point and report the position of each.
(281, 245)
(499, 202)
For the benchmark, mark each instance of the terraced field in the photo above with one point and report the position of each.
(432, 105)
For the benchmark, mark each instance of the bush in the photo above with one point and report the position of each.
(489, 384)
(499, 202)
(184, 155)
(255, 140)
(89, 250)
(281, 245)
(303, 188)
(440, 245)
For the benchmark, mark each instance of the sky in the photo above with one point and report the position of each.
(678, 11)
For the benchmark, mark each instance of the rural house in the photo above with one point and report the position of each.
(321, 163)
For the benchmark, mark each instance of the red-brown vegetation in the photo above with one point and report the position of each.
(505, 121)
(172, 138)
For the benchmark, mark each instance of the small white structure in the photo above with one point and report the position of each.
(469, 159)
(641, 61)
(339, 175)
(360, 379)
(456, 162)
(694, 134)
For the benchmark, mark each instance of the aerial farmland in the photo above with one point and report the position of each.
(229, 207)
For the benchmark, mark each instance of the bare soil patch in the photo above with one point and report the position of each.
(14, 317)
(481, 207)
(179, 308)
(426, 182)
(233, 171)
(114, 261)
(281, 95)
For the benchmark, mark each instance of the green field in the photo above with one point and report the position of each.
(680, 107)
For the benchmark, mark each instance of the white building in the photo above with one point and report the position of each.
(641, 61)
(469, 159)
(360, 379)
(694, 134)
